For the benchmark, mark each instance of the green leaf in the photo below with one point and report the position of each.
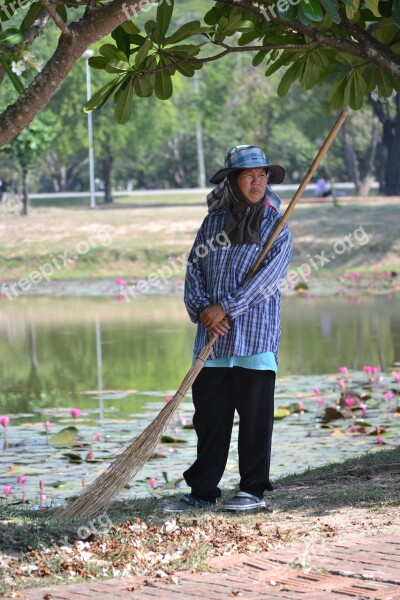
(282, 61)
(185, 31)
(34, 11)
(62, 11)
(187, 69)
(259, 58)
(143, 51)
(373, 7)
(312, 9)
(123, 107)
(142, 86)
(293, 73)
(288, 12)
(102, 93)
(15, 80)
(66, 437)
(130, 27)
(384, 83)
(98, 62)
(355, 89)
(396, 11)
(11, 36)
(123, 40)
(164, 14)
(112, 52)
(330, 7)
(336, 93)
(117, 66)
(163, 83)
(310, 74)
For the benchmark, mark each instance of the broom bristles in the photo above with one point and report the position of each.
(128, 463)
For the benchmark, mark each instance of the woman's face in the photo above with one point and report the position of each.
(252, 183)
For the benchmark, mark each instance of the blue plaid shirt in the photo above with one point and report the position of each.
(214, 275)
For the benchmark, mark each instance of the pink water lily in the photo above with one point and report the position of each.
(75, 412)
(341, 383)
(96, 437)
(21, 479)
(320, 400)
(153, 482)
(5, 421)
(349, 402)
(120, 281)
(363, 407)
(397, 378)
(380, 440)
(7, 489)
(168, 399)
(47, 425)
(316, 390)
(367, 369)
(388, 395)
(343, 370)
(89, 455)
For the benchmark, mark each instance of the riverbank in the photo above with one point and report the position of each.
(62, 244)
(355, 499)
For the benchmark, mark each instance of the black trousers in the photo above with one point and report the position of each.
(217, 392)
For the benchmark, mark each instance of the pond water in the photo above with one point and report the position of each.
(117, 362)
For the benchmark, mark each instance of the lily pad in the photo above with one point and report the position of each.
(281, 413)
(73, 457)
(331, 414)
(167, 439)
(64, 438)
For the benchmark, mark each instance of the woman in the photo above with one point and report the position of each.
(240, 372)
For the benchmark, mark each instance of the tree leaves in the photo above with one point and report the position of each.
(311, 9)
(164, 14)
(123, 107)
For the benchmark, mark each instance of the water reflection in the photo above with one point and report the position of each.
(53, 349)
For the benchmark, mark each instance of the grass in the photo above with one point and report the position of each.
(318, 502)
(141, 240)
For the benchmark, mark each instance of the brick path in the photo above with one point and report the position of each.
(365, 569)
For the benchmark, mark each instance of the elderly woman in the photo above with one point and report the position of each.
(240, 372)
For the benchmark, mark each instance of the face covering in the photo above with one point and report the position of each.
(243, 222)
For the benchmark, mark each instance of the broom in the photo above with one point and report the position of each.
(128, 463)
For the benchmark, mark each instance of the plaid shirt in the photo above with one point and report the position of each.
(215, 276)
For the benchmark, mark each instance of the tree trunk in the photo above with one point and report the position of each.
(106, 167)
(25, 193)
(353, 171)
(388, 151)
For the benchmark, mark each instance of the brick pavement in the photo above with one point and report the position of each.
(366, 569)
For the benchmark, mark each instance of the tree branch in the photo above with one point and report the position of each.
(365, 46)
(55, 16)
(86, 31)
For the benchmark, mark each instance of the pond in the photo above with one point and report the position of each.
(118, 362)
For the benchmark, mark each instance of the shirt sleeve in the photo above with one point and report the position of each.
(265, 282)
(195, 296)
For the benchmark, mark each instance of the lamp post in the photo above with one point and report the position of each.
(87, 54)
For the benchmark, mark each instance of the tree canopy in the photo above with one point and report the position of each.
(352, 44)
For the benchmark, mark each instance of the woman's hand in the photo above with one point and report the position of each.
(214, 319)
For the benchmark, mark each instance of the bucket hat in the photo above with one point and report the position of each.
(248, 157)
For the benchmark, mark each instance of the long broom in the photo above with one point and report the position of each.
(128, 463)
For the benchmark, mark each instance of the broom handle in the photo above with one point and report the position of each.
(206, 351)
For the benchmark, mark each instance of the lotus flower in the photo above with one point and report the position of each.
(7, 489)
(47, 425)
(120, 281)
(341, 383)
(380, 440)
(4, 420)
(397, 378)
(349, 402)
(21, 479)
(153, 482)
(75, 412)
(96, 437)
(343, 370)
(388, 395)
(363, 407)
(316, 390)
(168, 399)
(320, 400)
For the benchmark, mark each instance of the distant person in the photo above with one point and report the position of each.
(322, 188)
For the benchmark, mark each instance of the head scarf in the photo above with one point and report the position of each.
(243, 221)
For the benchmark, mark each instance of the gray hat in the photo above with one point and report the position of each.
(248, 157)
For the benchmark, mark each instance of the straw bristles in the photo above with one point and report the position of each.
(125, 467)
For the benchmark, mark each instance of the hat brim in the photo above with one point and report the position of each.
(277, 173)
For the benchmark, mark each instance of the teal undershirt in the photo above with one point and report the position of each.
(264, 361)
